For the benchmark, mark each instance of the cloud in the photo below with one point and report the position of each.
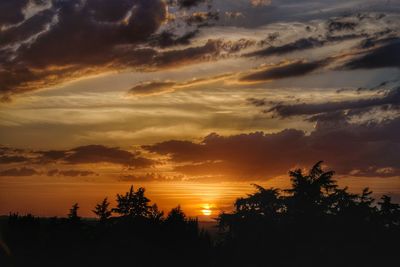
(70, 173)
(338, 25)
(168, 39)
(19, 172)
(211, 50)
(38, 52)
(391, 98)
(297, 45)
(386, 56)
(260, 2)
(12, 159)
(332, 31)
(293, 69)
(10, 155)
(102, 26)
(51, 155)
(257, 102)
(159, 87)
(109, 36)
(149, 177)
(202, 18)
(11, 11)
(14, 80)
(190, 3)
(150, 88)
(92, 154)
(368, 148)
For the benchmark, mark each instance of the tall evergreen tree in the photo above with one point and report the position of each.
(102, 210)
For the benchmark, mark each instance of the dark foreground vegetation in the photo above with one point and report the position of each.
(314, 223)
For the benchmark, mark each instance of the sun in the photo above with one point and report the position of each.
(206, 210)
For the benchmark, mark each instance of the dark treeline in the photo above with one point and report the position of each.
(313, 223)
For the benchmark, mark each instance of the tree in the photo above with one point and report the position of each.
(389, 212)
(73, 213)
(341, 202)
(176, 215)
(133, 204)
(309, 193)
(102, 211)
(265, 202)
(155, 214)
(365, 210)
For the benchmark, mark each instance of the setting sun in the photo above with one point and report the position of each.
(206, 210)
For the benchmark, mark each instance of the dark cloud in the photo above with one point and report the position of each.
(352, 149)
(168, 39)
(28, 28)
(11, 155)
(75, 38)
(329, 118)
(12, 159)
(382, 57)
(11, 11)
(151, 88)
(52, 155)
(298, 45)
(19, 172)
(79, 26)
(302, 44)
(90, 154)
(257, 102)
(58, 162)
(338, 25)
(209, 51)
(190, 3)
(101, 154)
(391, 99)
(293, 69)
(202, 18)
(335, 30)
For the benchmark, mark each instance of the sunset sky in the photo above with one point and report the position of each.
(193, 99)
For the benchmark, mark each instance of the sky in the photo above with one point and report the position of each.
(194, 99)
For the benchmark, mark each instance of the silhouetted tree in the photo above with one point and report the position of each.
(312, 219)
(102, 210)
(341, 202)
(309, 193)
(365, 210)
(265, 202)
(389, 212)
(263, 205)
(154, 213)
(176, 216)
(73, 213)
(313, 223)
(133, 204)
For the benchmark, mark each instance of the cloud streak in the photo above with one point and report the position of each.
(293, 69)
(159, 87)
(391, 99)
